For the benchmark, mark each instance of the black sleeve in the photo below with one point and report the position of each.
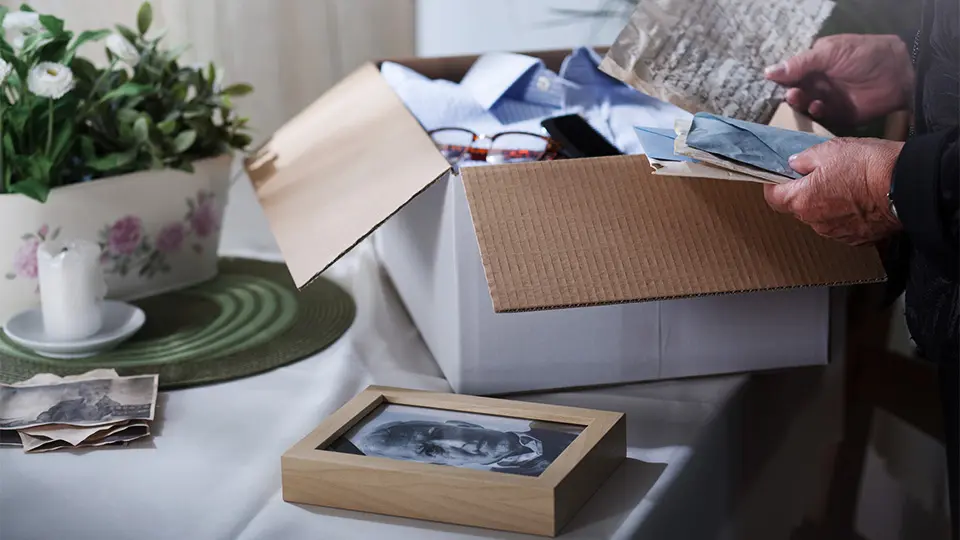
(925, 185)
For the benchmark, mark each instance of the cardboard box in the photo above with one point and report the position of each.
(551, 274)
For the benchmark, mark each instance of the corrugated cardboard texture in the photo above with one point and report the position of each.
(597, 231)
(339, 169)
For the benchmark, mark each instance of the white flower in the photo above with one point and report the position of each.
(123, 49)
(51, 80)
(5, 69)
(18, 25)
(22, 21)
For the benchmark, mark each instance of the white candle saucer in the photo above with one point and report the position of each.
(120, 322)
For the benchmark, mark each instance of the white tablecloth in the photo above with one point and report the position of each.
(212, 470)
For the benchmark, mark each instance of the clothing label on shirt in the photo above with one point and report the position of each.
(709, 55)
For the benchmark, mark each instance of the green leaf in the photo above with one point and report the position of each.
(87, 36)
(196, 113)
(87, 149)
(52, 24)
(141, 129)
(127, 90)
(167, 127)
(113, 161)
(184, 141)
(52, 49)
(184, 166)
(144, 17)
(61, 142)
(129, 34)
(127, 115)
(240, 140)
(175, 52)
(26, 7)
(33, 188)
(239, 89)
(84, 69)
(8, 147)
(3, 12)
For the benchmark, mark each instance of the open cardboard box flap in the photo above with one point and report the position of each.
(551, 234)
(339, 169)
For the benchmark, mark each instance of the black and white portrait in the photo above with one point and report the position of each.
(474, 441)
(90, 402)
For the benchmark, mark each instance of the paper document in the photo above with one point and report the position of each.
(681, 147)
(709, 55)
(657, 144)
(765, 147)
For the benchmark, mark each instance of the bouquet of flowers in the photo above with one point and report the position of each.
(65, 120)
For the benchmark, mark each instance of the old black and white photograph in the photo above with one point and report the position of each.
(458, 439)
(78, 403)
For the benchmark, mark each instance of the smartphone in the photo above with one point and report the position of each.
(577, 137)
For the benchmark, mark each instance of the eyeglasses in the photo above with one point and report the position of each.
(456, 144)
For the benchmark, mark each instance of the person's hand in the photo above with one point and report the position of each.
(843, 194)
(848, 79)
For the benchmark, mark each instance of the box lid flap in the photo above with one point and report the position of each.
(606, 230)
(339, 169)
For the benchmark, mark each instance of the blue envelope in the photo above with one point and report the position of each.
(764, 147)
(657, 144)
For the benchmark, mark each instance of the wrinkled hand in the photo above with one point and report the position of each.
(848, 79)
(843, 194)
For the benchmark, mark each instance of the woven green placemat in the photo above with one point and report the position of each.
(248, 320)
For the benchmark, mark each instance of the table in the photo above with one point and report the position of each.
(699, 450)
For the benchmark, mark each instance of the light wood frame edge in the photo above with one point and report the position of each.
(569, 481)
(597, 424)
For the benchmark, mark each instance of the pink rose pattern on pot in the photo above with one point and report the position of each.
(203, 216)
(171, 238)
(128, 248)
(25, 259)
(126, 235)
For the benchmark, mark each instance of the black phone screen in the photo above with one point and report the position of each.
(577, 137)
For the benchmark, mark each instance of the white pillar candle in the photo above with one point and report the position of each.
(72, 289)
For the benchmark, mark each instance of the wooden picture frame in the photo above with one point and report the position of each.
(314, 474)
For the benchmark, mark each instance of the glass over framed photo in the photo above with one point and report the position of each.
(493, 463)
(459, 439)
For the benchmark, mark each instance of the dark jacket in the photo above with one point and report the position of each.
(925, 186)
(925, 258)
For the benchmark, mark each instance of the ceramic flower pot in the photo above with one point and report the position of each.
(159, 231)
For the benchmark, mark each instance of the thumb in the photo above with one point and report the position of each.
(805, 162)
(778, 195)
(796, 69)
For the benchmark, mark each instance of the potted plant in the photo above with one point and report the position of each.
(134, 154)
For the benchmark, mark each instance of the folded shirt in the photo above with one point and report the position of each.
(515, 92)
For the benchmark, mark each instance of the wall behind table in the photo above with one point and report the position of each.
(459, 27)
(291, 51)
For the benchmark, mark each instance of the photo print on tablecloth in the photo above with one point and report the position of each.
(458, 439)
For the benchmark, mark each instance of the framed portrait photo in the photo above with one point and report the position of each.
(483, 462)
